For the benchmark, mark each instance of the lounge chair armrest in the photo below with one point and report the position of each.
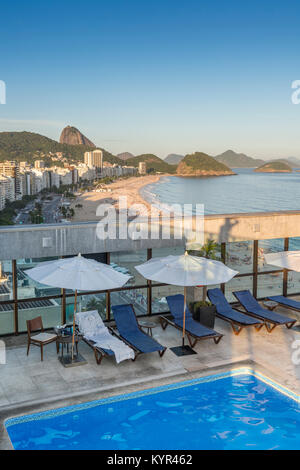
(113, 330)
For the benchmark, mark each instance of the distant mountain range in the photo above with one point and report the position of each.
(291, 161)
(125, 156)
(29, 146)
(238, 160)
(173, 159)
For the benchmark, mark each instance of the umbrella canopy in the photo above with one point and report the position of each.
(284, 259)
(186, 270)
(78, 273)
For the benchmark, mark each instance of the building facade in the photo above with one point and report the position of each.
(94, 159)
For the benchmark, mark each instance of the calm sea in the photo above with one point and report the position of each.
(247, 191)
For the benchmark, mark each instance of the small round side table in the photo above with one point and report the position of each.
(148, 325)
(270, 304)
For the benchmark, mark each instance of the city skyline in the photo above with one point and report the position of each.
(172, 78)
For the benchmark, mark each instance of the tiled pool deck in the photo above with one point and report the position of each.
(29, 385)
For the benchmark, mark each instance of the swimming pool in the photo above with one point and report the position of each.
(239, 409)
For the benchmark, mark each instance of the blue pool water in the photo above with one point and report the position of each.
(239, 411)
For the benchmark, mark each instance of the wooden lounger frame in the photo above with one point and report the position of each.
(269, 324)
(137, 351)
(98, 352)
(192, 338)
(237, 327)
(285, 306)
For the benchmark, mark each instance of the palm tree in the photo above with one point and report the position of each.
(209, 250)
(96, 304)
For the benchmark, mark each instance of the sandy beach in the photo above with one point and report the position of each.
(129, 187)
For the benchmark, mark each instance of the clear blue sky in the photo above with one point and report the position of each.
(157, 76)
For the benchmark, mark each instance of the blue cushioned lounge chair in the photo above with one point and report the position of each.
(271, 319)
(237, 320)
(194, 330)
(131, 333)
(284, 301)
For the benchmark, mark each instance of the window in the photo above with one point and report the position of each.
(27, 287)
(137, 297)
(239, 256)
(269, 284)
(126, 261)
(159, 294)
(236, 284)
(49, 310)
(268, 246)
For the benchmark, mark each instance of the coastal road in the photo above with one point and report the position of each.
(49, 208)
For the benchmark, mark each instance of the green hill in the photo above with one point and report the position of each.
(274, 167)
(238, 160)
(154, 163)
(201, 164)
(173, 159)
(28, 146)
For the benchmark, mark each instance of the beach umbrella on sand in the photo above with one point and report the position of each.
(187, 271)
(79, 274)
(284, 259)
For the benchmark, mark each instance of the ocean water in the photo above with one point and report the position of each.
(247, 191)
(225, 412)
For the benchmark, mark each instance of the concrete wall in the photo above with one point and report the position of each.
(35, 241)
(252, 226)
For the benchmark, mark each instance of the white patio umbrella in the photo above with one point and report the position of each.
(78, 273)
(284, 259)
(187, 271)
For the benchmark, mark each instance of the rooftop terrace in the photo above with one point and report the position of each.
(29, 385)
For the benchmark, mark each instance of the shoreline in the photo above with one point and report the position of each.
(129, 187)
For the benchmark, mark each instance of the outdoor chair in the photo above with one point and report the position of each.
(194, 330)
(98, 337)
(252, 307)
(131, 333)
(285, 302)
(237, 320)
(40, 339)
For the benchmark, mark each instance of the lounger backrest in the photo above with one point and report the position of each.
(89, 322)
(176, 304)
(125, 319)
(247, 300)
(217, 298)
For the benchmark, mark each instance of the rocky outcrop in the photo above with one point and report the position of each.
(274, 167)
(201, 164)
(72, 136)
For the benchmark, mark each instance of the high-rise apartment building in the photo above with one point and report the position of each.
(39, 164)
(7, 190)
(94, 159)
(142, 168)
(12, 169)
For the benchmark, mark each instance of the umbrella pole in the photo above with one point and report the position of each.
(73, 336)
(184, 312)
